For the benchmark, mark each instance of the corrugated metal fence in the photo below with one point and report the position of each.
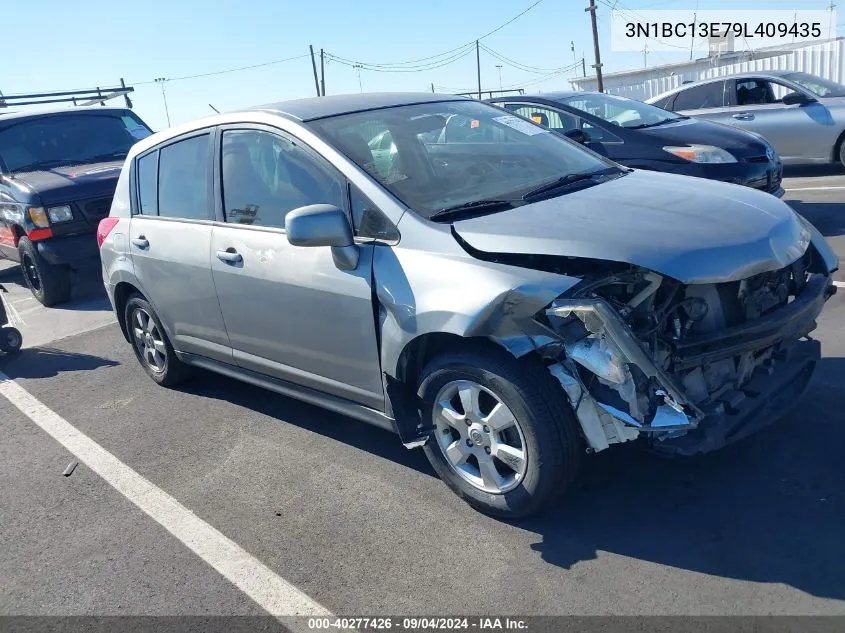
(824, 60)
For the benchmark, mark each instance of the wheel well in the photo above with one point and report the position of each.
(420, 351)
(122, 292)
(837, 146)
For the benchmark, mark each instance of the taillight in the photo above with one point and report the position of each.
(104, 228)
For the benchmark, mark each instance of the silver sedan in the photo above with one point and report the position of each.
(801, 115)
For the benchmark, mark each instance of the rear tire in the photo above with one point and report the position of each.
(50, 284)
(842, 152)
(520, 425)
(150, 343)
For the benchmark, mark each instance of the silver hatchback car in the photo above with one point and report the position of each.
(508, 300)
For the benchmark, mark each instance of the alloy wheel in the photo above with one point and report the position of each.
(149, 340)
(480, 437)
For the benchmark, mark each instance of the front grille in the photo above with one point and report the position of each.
(757, 159)
(97, 208)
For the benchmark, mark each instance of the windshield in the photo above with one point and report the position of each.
(818, 86)
(69, 139)
(435, 156)
(620, 110)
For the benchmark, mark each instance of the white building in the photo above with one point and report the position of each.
(824, 59)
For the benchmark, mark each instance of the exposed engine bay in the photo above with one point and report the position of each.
(691, 367)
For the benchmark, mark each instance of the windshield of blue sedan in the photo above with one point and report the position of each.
(69, 139)
(621, 111)
(436, 156)
(818, 86)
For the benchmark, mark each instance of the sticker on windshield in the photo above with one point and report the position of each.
(139, 133)
(520, 125)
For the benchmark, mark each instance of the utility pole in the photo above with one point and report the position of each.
(323, 70)
(499, 66)
(583, 66)
(161, 81)
(432, 86)
(314, 66)
(478, 65)
(572, 48)
(830, 19)
(358, 68)
(645, 52)
(592, 11)
(692, 42)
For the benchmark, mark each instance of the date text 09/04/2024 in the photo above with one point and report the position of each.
(722, 29)
(416, 624)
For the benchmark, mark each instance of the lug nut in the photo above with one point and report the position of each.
(487, 449)
(469, 443)
(468, 421)
(486, 429)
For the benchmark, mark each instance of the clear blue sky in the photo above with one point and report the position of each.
(85, 43)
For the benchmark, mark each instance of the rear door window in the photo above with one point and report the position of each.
(710, 95)
(183, 179)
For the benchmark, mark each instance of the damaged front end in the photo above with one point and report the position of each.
(690, 367)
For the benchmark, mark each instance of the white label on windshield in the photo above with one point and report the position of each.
(520, 125)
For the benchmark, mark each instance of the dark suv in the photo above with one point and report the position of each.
(58, 172)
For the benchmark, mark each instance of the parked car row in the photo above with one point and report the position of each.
(474, 280)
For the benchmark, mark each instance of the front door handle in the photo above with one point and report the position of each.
(744, 116)
(230, 256)
(141, 242)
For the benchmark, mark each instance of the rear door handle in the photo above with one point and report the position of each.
(230, 256)
(141, 241)
(743, 116)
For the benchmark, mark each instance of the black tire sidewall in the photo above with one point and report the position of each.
(5, 331)
(173, 367)
(545, 470)
(55, 280)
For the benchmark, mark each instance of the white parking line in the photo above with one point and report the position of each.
(839, 284)
(813, 188)
(272, 592)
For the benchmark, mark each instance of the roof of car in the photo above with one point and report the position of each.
(320, 107)
(6, 118)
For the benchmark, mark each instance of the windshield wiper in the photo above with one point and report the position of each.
(42, 164)
(569, 179)
(107, 156)
(474, 206)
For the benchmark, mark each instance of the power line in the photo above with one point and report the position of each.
(438, 64)
(517, 65)
(227, 70)
(468, 45)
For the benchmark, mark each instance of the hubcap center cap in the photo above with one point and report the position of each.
(477, 436)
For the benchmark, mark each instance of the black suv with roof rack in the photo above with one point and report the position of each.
(58, 173)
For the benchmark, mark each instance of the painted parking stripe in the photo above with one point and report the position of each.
(839, 284)
(814, 188)
(269, 590)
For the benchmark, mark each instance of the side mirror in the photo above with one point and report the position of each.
(796, 98)
(579, 136)
(323, 225)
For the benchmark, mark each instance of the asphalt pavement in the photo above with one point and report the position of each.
(351, 519)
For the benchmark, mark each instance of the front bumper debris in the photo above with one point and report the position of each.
(658, 406)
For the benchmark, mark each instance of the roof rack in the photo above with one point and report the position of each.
(76, 97)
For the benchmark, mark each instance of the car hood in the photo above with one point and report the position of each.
(76, 182)
(692, 230)
(689, 131)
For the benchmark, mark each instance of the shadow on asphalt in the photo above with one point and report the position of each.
(768, 509)
(361, 435)
(827, 217)
(45, 362)
(88, 292)
(813, 171)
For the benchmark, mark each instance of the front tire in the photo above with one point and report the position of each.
(505, 438)
(50, 284)
(150, 343)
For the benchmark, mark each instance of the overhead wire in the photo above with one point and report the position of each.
(224, 71)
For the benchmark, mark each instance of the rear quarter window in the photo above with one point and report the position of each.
(701, 97)
(147, 177)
